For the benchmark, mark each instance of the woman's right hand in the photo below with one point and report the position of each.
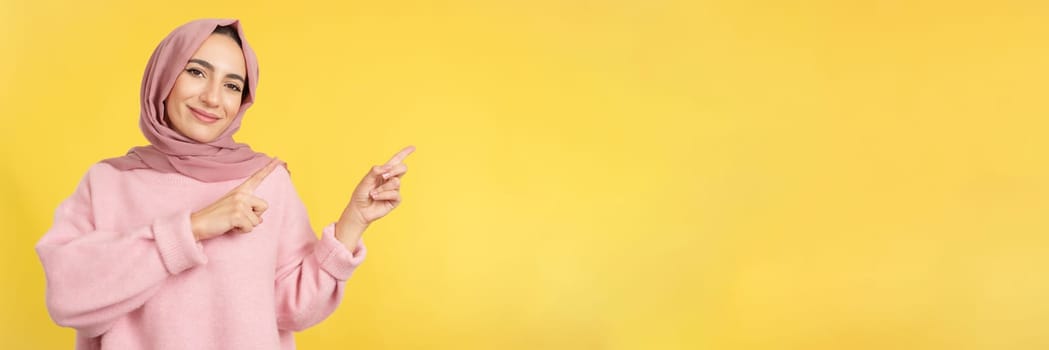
(239, 211)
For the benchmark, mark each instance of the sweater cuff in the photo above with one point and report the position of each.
(333, 256)
(178, 249)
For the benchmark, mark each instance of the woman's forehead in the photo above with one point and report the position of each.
(222, 53)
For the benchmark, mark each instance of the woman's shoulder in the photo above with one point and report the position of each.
(102, 175)
(105, 169)
(278, 181)
(102, 170)
(279, 175)
(98, 176)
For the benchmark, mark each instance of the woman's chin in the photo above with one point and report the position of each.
(201, 136)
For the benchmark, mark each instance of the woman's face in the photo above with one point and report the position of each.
(206, 96)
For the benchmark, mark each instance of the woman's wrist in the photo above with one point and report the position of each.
(193, 222)
(349, 233)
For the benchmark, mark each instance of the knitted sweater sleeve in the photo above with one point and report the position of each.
(311, 274)
(95, 276)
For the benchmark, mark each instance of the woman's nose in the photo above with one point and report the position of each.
(210, 95)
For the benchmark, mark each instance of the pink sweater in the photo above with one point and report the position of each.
(124, 270)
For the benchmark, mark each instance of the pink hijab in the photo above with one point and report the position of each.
(169, 151)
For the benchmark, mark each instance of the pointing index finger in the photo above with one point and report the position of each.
(253, 182)
(399, 157)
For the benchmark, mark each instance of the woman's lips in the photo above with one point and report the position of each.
(203, 116)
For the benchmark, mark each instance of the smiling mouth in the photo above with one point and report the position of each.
(202, 116)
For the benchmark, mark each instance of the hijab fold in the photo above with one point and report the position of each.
(171, 152)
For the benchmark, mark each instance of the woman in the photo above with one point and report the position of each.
(196, 241)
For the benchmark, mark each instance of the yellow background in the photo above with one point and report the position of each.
(601, 174)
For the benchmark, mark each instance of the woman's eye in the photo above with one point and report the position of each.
(233, 87)
(194, 72)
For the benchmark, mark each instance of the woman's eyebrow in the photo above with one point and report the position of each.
(210, 67)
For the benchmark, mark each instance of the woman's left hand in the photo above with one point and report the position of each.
(375, 196)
